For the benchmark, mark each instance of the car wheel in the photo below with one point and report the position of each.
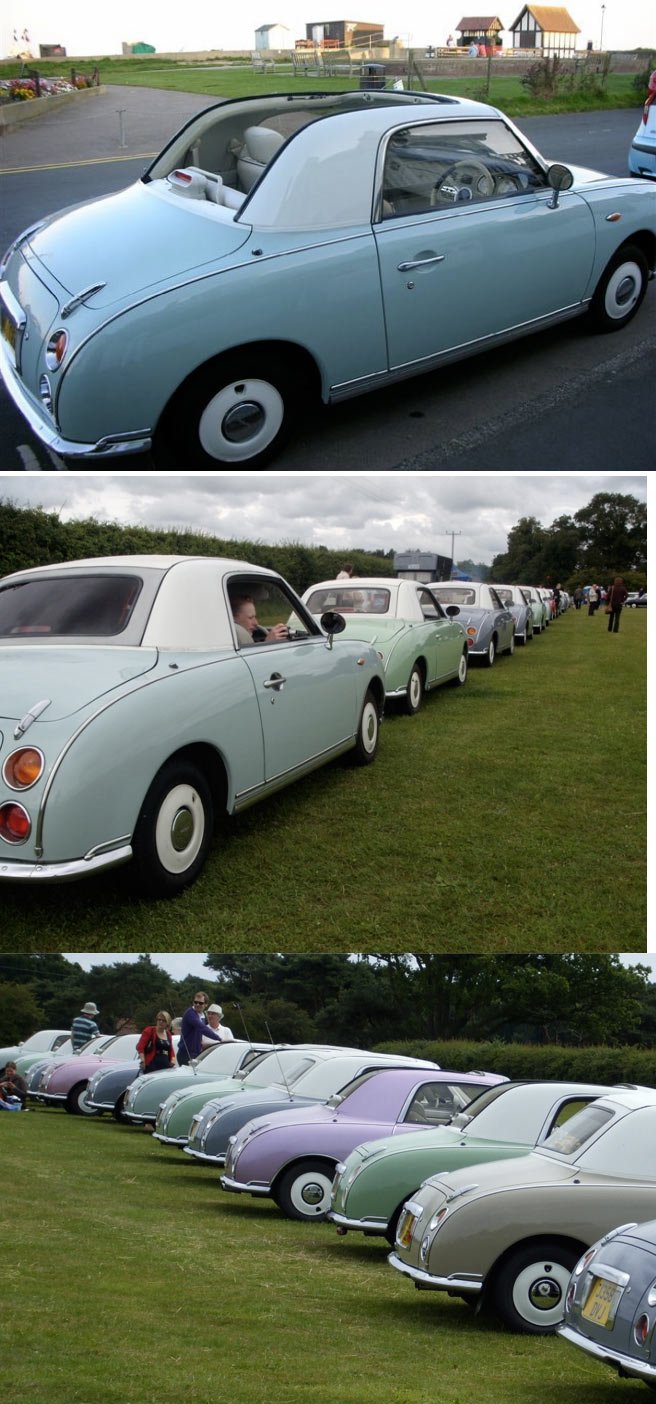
(76, 1101)
(366, 741)
(491, 653)
(415, 690)
(304, 1191)
(174, 829)
(621, 290)
(529, 1290)
(234, 413)
(461, 675)
(118, 1111)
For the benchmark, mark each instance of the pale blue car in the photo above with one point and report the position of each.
(288, 249)
(135, 709)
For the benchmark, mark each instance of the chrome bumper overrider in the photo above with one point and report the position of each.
(64, 872)
(112, 446)
(207, 1159)
(421, 1278)
(627, 1365)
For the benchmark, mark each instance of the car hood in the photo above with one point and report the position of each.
(70, 677)
(130, 242)
(530, 1169)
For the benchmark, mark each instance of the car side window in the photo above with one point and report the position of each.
(428, 604)
(456, 163)
(434, 1104)
(263, 612)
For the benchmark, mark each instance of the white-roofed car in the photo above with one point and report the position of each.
(135, 710)
(506, 1235)
(517, 598)
(488, 623)
(420, 647)
(298, 248)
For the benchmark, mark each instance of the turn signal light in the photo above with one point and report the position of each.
(15, 823)
(641, 1329)
(23, 768)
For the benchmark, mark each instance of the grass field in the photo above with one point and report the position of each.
(506, 90)
(130, 1277)
(507, 816)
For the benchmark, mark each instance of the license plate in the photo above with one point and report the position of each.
(601, 1302)
(406, 1229)
(7, 328)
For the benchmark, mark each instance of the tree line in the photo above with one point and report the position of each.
(572, 999)
(606, 538)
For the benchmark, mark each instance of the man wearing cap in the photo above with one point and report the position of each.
(84, 1026)
(193, 1029)
(214, 1017)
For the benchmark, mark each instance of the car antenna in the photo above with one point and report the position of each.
(282, 1071)
(238, 1007)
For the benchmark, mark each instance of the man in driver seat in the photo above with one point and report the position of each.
(244, 614)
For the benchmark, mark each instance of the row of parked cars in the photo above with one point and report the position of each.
(136, 711)
(523, 1198)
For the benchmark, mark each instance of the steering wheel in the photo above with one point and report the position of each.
(470, 175)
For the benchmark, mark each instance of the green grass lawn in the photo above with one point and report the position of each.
(130, 1277)
(507, 816)
(506, 91)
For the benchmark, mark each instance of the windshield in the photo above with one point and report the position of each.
(68, 607)
(486, 1099)
(42, 1042)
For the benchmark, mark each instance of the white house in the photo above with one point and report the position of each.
(274, 36)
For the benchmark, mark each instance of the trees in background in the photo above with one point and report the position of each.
(604, 539)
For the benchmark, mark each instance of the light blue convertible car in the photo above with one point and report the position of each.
(300, 247)
(135, 707)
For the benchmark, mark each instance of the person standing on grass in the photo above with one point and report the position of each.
(84, 1026)
(616, 597)
(193, 1029)
(155, 1047)
(593, 599)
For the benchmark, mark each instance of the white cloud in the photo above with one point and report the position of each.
(390, 511)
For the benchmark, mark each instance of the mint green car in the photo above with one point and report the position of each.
(420, 647)
(370, 1188)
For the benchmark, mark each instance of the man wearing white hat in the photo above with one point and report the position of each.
(214, 1017)
(84, 1026)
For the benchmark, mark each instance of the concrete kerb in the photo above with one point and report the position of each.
(13, 114)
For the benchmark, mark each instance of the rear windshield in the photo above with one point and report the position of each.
(69, 607)
(448, 594)
(350, 601)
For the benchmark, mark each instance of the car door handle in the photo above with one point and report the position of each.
(420, 263)
(276, 680)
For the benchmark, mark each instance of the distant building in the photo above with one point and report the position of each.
(344, 34)
(273, 36)
(546, 27)
(422, 565)
(480, 29)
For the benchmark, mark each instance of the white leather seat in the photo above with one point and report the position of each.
(260, 146)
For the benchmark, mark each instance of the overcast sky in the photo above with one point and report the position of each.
(181, 965)
(391, 510)
(201, 24)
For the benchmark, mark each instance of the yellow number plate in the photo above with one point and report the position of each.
(601, 1302)
(8, 329)
(406, 1227)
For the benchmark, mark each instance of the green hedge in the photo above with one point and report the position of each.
(592, 1063)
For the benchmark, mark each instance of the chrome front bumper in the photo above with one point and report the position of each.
(238, 1188)
(429, 1282)
(112, 446)
(626, 1365)
(206, 1159)
(377, 1226)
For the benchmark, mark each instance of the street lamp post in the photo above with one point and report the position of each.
(452, 534)
(601, 34)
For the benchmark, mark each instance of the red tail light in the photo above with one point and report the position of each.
(15, 823)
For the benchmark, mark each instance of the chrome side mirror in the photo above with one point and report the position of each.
(559, 178)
